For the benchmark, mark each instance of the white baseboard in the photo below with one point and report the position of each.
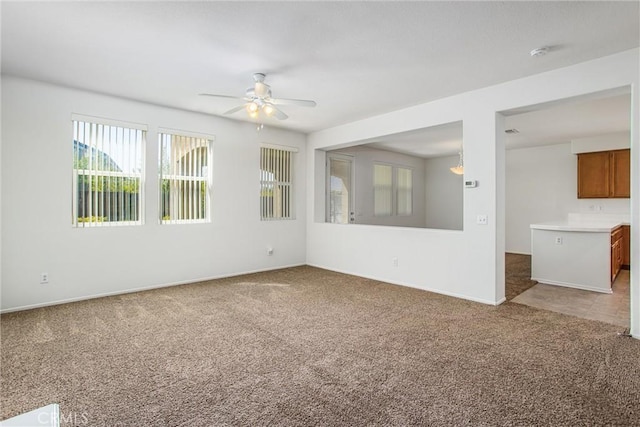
(572, 285)
(141, 289)
(411, 285)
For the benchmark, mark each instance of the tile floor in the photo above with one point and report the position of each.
(611, 308)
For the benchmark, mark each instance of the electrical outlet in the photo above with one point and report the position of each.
(482, 220)
(394, 261)
(558, 240)
(44, 278)
(269, 251)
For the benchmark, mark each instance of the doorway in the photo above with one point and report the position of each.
(542, 146)
(340, 197)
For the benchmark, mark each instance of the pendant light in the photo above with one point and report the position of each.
(458, 170)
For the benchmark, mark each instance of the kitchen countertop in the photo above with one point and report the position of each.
(583, 226)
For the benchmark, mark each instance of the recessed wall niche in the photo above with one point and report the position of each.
(402, 180)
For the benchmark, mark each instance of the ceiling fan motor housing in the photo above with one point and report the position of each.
(259, 98)
(260, 91)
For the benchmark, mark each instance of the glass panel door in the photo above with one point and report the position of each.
(340, 189)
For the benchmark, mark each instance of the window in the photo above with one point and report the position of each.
(108, 170)
(339, 189)
(404, 191)
(392, 190)
(382, 190)
(184, 178)
(276, 180)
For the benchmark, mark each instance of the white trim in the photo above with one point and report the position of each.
(185, 178)
(184, 221)
(99, 172)
(516, 253)
(278, 147)
(414, 286)
(329, 156)
(271, 166)
(108, 122)
(144, 288)
(140, 137)
(106, 224)
(166, 135)
(571, 285)
(188, 134)
(376, 187)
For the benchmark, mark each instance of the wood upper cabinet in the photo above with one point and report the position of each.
(604, 174)
(621, 173)
(594, 173)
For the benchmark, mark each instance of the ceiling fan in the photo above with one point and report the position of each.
(258, 98)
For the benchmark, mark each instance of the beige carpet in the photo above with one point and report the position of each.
(305, 346)
(517, 275)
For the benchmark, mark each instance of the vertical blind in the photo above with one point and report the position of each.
(404, 190)
(184, 179)
(108, 170)
(276, 173)
(382, 190)
(392, 190)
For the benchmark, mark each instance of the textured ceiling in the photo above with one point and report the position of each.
(356, 59)
(558, 123)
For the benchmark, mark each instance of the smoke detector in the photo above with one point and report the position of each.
(541, 51)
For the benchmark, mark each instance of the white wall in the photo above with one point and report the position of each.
(610, 141)
(36, 203)
(541, 185)
(363, 159)
(444, 191)
(468, 263)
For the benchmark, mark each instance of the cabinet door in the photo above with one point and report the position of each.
(593, 175)
(620, 173)
(613, 262)
(619, 261)
(626, 245)
(616, 259)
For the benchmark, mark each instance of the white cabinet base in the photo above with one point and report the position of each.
(575, 259)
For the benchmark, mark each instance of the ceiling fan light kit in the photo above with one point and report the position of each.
(258, 98)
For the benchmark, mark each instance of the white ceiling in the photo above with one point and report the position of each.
(599, 114)
(356, 59)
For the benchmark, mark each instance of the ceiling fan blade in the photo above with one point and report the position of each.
(233, 110)
(279, 114)
(223, 96)
(298, 102)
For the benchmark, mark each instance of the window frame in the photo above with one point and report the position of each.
(290, 184)
(95, 173)
(207, 178)
(397, 190)
(390, 190)
(394, 189)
